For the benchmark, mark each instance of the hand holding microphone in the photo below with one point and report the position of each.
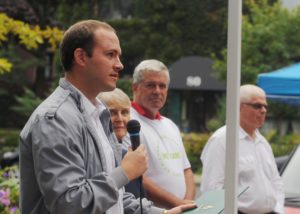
(135, 162)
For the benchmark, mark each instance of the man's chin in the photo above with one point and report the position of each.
(119, 135)
(260, 125)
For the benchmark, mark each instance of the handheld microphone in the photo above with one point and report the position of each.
(133, 128)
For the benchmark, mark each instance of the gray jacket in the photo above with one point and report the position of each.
(62, 165)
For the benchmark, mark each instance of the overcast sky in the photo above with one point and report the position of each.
(290, 3)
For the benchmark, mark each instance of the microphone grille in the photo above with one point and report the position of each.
(133, 126)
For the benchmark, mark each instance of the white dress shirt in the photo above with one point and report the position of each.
(94, 111)
(257, 169)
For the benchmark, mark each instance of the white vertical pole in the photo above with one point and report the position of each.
(232, 104)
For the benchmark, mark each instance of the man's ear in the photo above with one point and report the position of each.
(134, 87)
(79, 56)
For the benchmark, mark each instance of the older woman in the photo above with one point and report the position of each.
(119, 104)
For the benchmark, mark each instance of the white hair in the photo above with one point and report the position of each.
(247, 92)
(116, 96)
(150, 65)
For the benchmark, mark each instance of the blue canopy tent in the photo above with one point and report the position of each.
(283, 84)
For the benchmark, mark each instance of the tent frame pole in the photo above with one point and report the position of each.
(232, 103)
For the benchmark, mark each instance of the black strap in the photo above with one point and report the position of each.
(240, 212)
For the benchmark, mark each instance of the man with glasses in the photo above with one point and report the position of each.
(169, 179)
(257, 167)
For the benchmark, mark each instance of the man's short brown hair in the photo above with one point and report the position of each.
(79, 35)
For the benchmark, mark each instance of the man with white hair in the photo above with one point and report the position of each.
(257, 167)
(70, 161)
(169, 179)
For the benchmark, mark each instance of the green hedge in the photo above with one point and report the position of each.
(282, 145)
(9, 140)
(195, 142)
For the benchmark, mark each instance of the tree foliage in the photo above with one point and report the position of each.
(176, 28)
(30, 37)
(26, 103)
(170, 29)
(166, 30)
(270, 40)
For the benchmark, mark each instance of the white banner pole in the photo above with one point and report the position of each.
(232, 104)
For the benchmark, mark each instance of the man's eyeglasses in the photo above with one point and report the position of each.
(257, 106)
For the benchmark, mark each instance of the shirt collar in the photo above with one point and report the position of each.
(244, 135)
(143, 112)
(93, 110)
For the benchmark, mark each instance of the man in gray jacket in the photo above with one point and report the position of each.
(70, 161)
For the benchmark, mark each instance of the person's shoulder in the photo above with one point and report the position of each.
(216, 141)
(219, 133)
(133, 113)
(262, 139)
(58, 103)
(168, 121)
(218, 138)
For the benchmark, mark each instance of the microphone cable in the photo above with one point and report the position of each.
(141, 191)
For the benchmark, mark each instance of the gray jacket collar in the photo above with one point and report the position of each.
(105, 119)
